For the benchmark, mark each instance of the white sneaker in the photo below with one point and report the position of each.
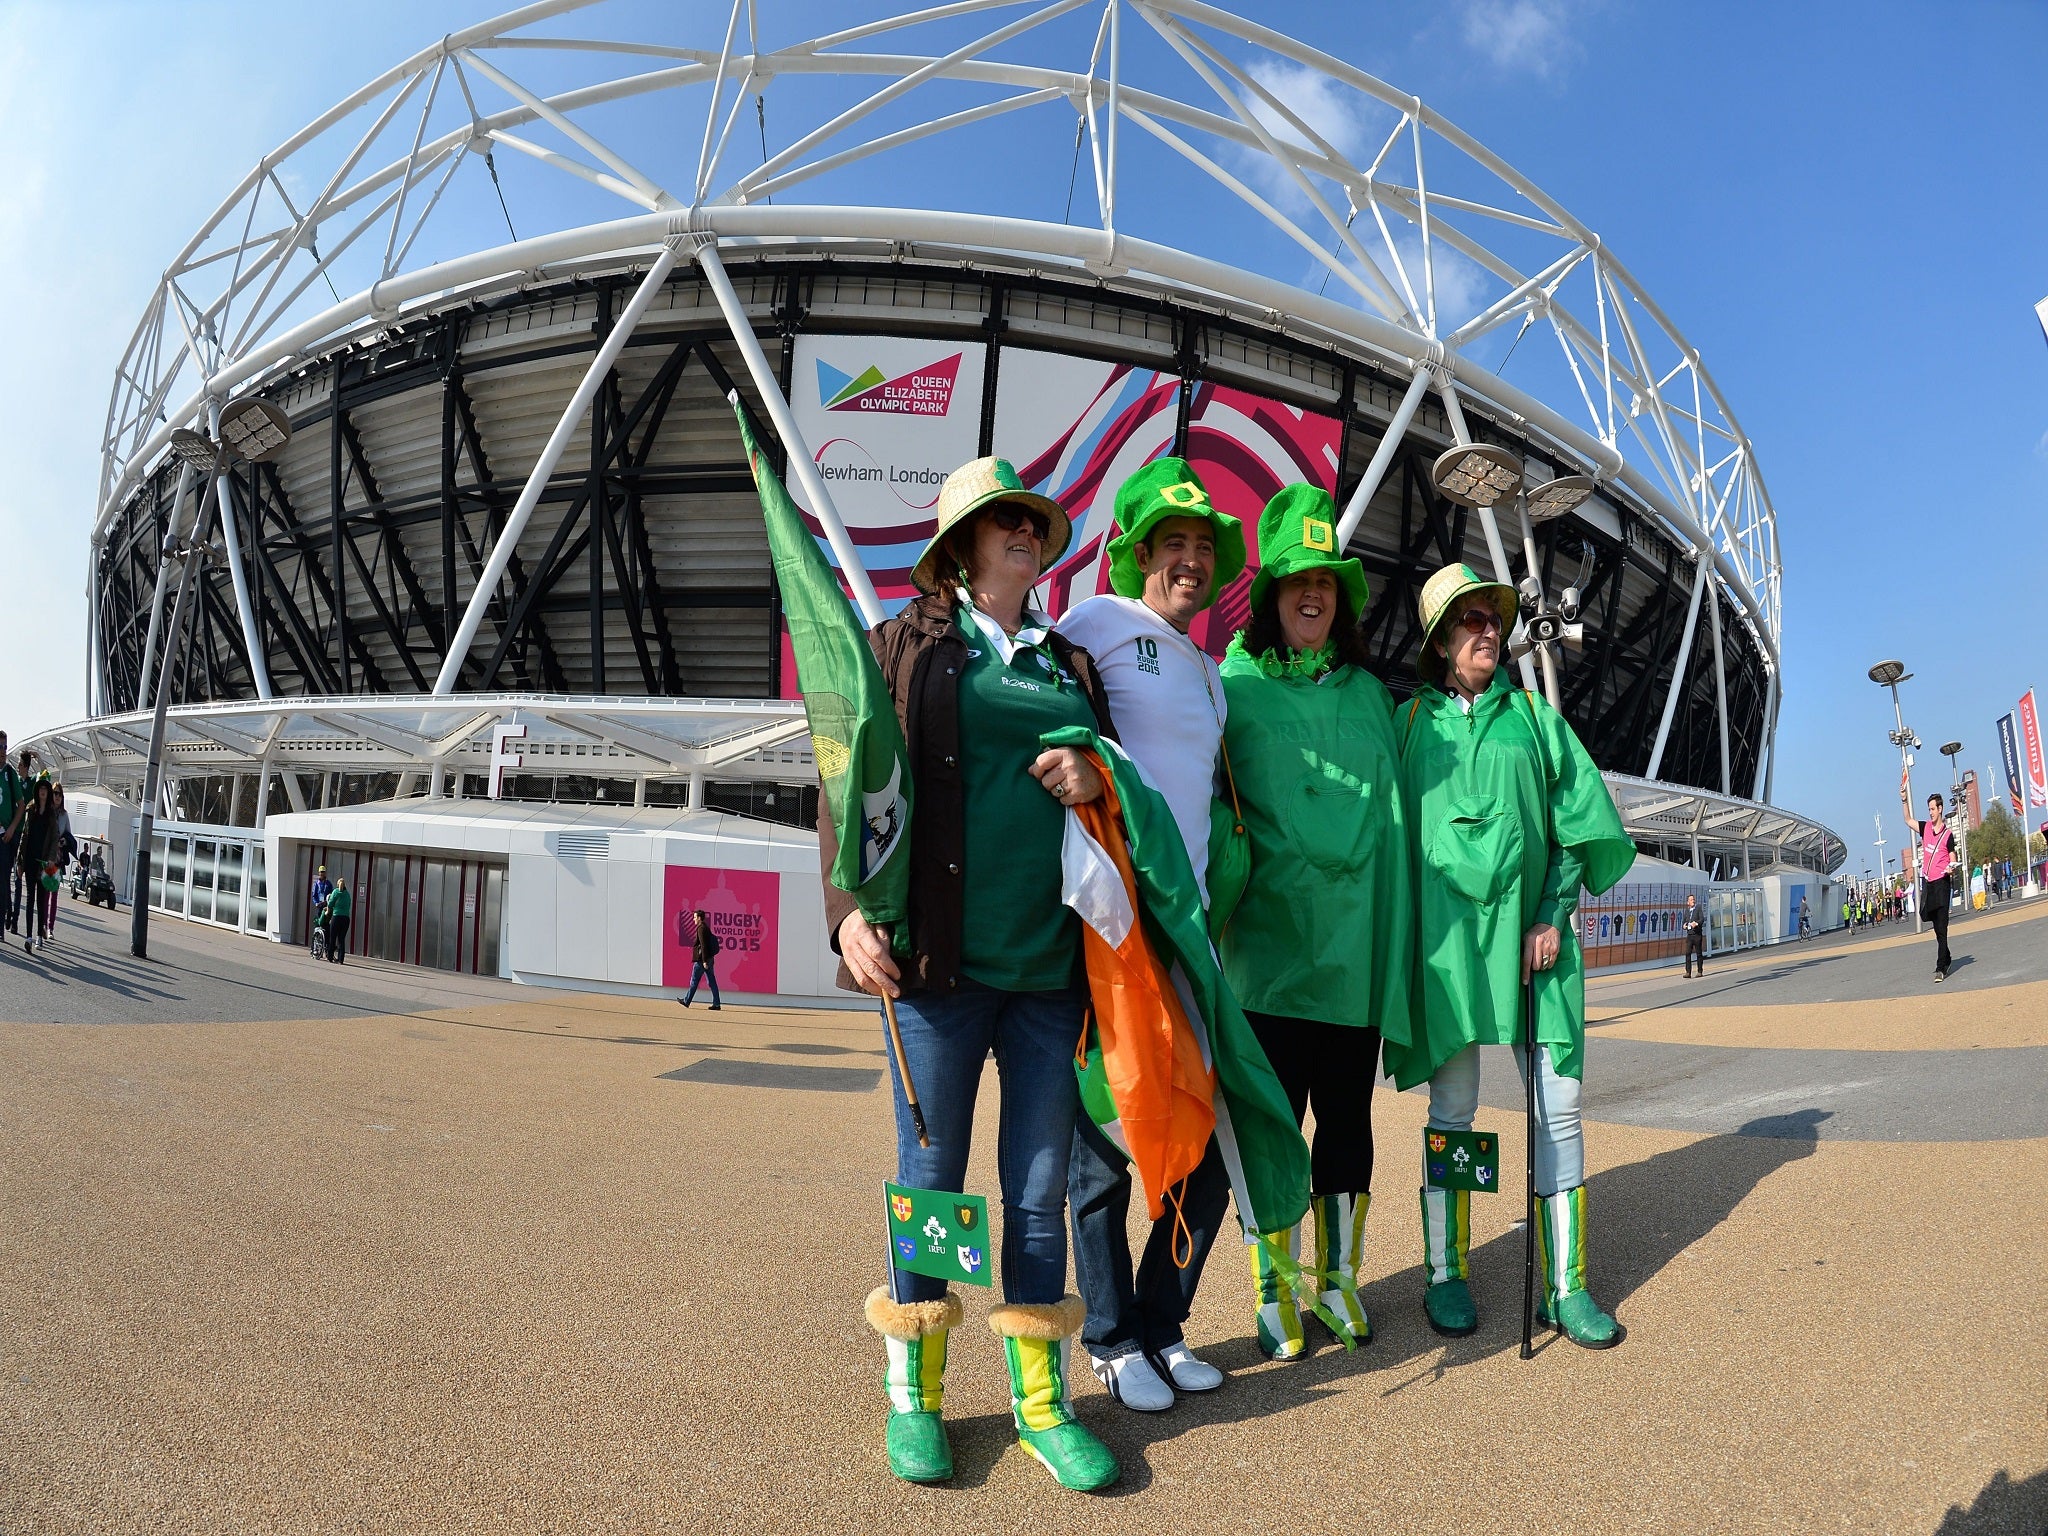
(1132, 1381)
(1185, 1370)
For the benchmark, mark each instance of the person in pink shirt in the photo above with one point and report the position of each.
(1937, 861)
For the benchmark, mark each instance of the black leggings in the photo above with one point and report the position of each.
(1332, 1065)
(1934, 902)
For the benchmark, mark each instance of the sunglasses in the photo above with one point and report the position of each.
(1009, 517)
(1477, 621)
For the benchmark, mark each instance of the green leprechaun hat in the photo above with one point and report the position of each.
(1298, 532)
(1164, 488)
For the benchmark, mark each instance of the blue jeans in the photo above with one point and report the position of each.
(946, 1040)
(7, 902)
(700, 973)
(1122, 1317)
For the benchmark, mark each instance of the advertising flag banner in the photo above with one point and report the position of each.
(863, 763)
(939, 1232)
(2030, 743)
(2009, 749)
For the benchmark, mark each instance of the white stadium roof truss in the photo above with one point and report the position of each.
(331, 237)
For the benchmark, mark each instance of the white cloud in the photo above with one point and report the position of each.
(1531, 35)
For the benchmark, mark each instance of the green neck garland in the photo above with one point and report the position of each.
(1286, 662)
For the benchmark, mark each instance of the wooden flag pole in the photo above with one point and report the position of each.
(903, 1070)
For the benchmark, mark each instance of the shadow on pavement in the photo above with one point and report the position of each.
(1640, 1217)
(2004, 1508)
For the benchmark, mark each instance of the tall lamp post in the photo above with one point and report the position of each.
(1959, 816)
(250, 432)
(1889, 674)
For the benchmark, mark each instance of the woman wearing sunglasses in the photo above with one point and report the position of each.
(1320, 947)
(1511, 818)
(994, 958)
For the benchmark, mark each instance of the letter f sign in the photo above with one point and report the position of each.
(504, 755)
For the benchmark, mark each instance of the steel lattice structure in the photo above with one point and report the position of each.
(509, 473)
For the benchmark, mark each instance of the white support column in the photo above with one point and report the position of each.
(640, 792)
(1721, 698)
(1502, 571)
(231, 533)
(801, 464)
(1382, 458)
(544, 467)
(1700, 579)
(695, 802)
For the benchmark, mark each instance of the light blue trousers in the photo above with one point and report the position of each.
(1560, 1141)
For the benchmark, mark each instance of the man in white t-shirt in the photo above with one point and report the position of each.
(1176, 552)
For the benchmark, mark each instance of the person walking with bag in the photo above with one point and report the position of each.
(340, 912)
(1174, 554)
(1321, 948)
(703, 958)
(35, 861)
(1510, 819)
(67, 845)
(1937, 866)
(993, 960)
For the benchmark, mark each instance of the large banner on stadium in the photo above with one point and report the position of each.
(887, 420)
(1076, 427)
(745, 910)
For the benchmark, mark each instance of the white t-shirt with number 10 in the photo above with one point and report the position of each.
(1166, 697)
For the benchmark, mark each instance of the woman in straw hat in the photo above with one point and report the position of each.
(1319, 947)
(993, 961)
(1511, 819)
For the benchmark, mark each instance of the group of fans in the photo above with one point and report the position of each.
(35, 847)
(1383, 885)
(333, 913)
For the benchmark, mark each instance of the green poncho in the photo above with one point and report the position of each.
(1507, 829)
(1326, 929)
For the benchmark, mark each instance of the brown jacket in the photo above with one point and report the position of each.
(922, 652)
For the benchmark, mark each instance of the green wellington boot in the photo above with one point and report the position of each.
(1561, 1255)
(1340, 1241)
(1446, 1249)
(1279, 1313)
(914, 1333)
(1035, 1340)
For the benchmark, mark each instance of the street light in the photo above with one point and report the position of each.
(251, 431)
(1476, 474)
(1889, 674)
(1554, 498)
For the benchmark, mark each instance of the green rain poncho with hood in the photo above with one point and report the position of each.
(1325, 930)
(1510, 818)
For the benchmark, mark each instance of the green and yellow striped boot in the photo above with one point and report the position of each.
(914, 1332)
(1561, 1254)
(1446, 1249)
(1035, 1341)
(1279, 1312)
(1340, 1240)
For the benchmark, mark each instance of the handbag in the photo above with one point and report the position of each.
(1230, 855)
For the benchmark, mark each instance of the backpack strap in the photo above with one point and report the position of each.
(1408, 725)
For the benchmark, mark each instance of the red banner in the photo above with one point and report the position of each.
(2030, 741)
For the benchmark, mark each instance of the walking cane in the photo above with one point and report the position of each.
(903, 1071)
(1529, 1231)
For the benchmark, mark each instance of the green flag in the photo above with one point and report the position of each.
(863, 764)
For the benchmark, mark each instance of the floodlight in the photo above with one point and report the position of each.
(1476, 474)
(1556, 497)
(194, 448)
(1885, 673)
(255, 430)
(1952, 749)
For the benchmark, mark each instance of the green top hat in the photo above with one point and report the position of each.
(974, 486)
(1440, 593)
(1298, 532)
(1166, 488)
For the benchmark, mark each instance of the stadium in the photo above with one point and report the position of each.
(494, 631)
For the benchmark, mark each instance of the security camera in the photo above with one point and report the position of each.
(1568, 606)
(1532, 594)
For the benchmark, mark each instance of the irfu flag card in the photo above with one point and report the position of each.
(1461, 1159)
(940, 1233)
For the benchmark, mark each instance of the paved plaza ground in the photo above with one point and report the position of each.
(292, 1248)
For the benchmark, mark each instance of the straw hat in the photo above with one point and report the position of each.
(1441, 593)
(980, 484)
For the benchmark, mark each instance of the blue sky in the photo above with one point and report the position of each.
(1841, 205)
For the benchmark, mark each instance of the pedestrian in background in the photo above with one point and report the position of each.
(13, 806)
(1695, 937)
(17, 884)
(67, 846)
(1937, 865)
(340, 908)
(703, 958)
(322, 889)
(37, 852)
